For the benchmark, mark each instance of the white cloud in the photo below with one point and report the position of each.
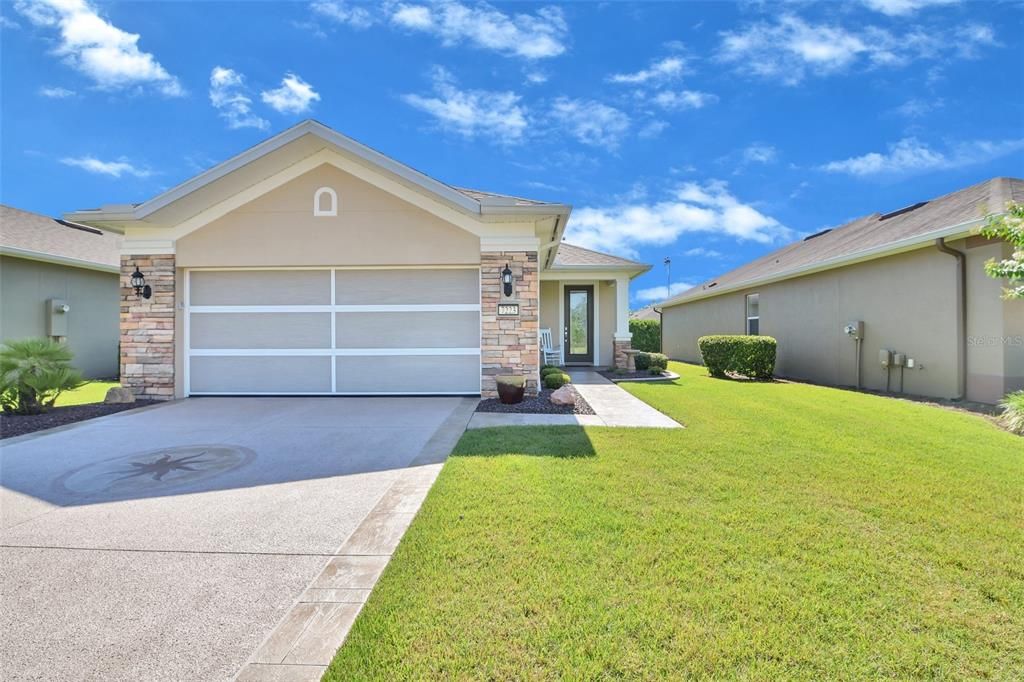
(591, 122)
(472, 112)
(669, 68)
(92, 45)
(658, 293)
(790, 48)
(530, 36)
(343, 13)
(536, 77)
(910, 155)
(692, 207)
(899, 8)
(295, 95)
(701, 251)
(228, 96)
(760, 153)
(680, 100)
(9, 23)
(113, 168)
(56, 92)
(916, 108)
(652, 129)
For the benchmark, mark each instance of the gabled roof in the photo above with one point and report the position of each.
(872, 236)
(38, 237)
(303, 140)
(572, 257)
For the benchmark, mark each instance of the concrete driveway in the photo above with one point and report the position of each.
(167, 543)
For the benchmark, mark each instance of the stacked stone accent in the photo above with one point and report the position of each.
(510, 345)
(623, 360)
(147, 328)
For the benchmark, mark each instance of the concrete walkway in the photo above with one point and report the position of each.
(613, 407)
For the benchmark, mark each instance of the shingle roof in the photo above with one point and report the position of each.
(480, 195)
(42, 235)
(570, 255)
(873, 231)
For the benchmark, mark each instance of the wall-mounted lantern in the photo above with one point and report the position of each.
(506, 280)
(142, 290)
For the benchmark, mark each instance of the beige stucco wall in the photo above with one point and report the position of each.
(907, 303)
(549, 310)
(372, 227)
(26, 285)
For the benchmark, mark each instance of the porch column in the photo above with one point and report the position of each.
(147, 327)
(622, 339)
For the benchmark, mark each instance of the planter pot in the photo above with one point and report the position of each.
(510, 394)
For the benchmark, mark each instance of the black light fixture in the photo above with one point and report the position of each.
(506, 280)
(142, 289)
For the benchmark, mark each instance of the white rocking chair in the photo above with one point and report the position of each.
(552, 355)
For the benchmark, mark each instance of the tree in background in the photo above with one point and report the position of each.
(1009, 227)
(646, 335)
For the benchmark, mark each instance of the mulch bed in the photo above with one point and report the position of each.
(539, 404)
(638, 374)
(19, 424)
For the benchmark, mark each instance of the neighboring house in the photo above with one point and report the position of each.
(899, 274)
(47, 264)
(311, 264)
(646, 313)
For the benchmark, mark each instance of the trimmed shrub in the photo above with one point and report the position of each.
(642, 361)
(658, 361)
(646, 335)
(550, 370)
(750, 356)
(1013, 412)
(557, 380)
(33, 374)
(544, 367)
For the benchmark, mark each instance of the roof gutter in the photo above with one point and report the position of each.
(57, 260)
(890, 249)
(961, 315)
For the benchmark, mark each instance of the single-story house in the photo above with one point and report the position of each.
(896, 301)
(311, 264)
(648, 312)
(60, 280)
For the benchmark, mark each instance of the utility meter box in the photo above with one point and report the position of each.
(57, 311)
(855, 329)
(885, 358)
(899, 359)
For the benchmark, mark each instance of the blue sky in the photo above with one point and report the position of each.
(707, 132)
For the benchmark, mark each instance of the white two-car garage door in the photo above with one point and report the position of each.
(332, 331)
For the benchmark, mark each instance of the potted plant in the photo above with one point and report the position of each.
(511, 389)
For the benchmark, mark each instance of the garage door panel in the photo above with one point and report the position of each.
(261, 374)
(390, 287)
(460, 329)
(409, 374)
(260, 287)
(261, 330)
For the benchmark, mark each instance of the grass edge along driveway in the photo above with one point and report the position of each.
(790, 531)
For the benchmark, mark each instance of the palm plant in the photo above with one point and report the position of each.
(33, 374)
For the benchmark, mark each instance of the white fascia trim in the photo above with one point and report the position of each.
(565, 274)
(141, 247)
(57, 260)
(340, 308)
(891, 249)
(493, 244)
(622, 337)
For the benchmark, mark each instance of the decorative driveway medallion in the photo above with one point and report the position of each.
(154, 472)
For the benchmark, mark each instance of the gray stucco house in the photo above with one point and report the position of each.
(914, 281)
(47, 265)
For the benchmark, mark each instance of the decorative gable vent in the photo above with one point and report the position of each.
(325, 202)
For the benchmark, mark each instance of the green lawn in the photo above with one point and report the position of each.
(92, 392)
(791, 531)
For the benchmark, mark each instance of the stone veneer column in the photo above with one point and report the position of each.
(147, 328)
(509, 344)
(622, 359)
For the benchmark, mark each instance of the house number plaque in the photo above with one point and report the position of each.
(508, 308)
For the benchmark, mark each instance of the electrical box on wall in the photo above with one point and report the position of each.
(57, 317)
(885, 358)
(855, 329)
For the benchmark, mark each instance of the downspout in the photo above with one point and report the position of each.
(961, 314)
(661, 329)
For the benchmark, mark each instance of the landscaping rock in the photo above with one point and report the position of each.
(563, 396)
(119, 395)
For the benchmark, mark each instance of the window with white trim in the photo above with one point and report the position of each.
(753, 315)
(325, 202)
